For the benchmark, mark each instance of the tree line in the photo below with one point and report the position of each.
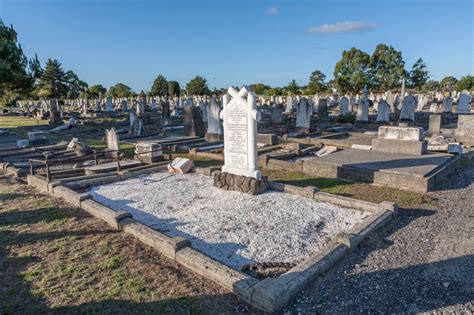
(22, 78)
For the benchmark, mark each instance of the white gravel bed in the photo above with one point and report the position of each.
(231, 227)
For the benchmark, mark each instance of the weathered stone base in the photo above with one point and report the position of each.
(214, 137)
(244, 184)
(400, 146)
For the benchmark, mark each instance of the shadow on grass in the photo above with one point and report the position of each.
(11, 195)
(322, 183)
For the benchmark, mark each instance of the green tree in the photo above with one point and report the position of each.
(448, 83)
(173, 88)
(431, 85)
(351, 73)
(259, 88)
(387, 68)
(418, 75)
(316, 82)
(96, 90)
(465, 83)
(197, 86)
(293, 87)
(160, 86)
(53, 81)
(74, 85)
(15, 77)
(120, 90)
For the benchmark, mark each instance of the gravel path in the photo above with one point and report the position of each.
(424, 262)
(232, 227)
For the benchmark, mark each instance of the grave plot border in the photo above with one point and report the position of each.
(269, 295)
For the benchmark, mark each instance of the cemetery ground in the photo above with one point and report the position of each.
(61, 260)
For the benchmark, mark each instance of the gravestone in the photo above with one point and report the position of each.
(408, 108)
(240, 118)
(193, 125)
(112, 139)
(322, 107)
(447, 104)
(165, 109)
(363, 110)
(343, 105)
(153, 105)
(277, 115)
(464, 132)
(303, 115)
(124, 105)
(434, 126)
(390, 101)
(214, 126)
(109, 107)
(383, 114)
(289, 105)
(464, 103)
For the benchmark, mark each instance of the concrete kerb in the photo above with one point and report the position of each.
(111, 217)
(168, 246)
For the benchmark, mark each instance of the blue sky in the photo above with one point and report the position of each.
(237, 42)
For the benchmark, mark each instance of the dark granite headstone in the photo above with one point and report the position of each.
(193, 125)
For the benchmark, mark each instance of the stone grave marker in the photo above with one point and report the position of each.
(434, 126)
(383, 114)
(214, 125)
(343, 105)
(408, 108)
(304, 111)
(109, 106)
(112, 139)
(464, 103)
(240, 116)
(193, 124)
(289, 104)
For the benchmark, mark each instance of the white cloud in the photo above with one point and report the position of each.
(273, 10)
(342, 27)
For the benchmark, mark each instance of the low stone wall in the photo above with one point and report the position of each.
(243, 184)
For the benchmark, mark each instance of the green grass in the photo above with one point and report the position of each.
(18, 121)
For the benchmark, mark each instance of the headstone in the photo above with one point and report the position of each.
(464, 132)
(408, 108)
(434, 126)
(277, 115)
(240, 116)
(383, 114)
(193, 125)
(464, 103)
(390, 101)
(447, 104)
(303, 115)
(289, 104)
(322, 107)
(124, 105)
(214, 125)
(343, 105)
(363, 110)
(112, 139)
(109, 107)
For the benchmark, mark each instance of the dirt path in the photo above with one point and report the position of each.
(422, 263)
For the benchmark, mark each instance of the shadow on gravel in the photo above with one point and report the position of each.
(407, 289)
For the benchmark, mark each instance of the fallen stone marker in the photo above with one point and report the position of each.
(180, 166)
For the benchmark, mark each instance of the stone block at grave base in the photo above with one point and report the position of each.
(148, 152)
(400, 133)
(267, 138)
(400, 146)
(214, 137)
(249, 185)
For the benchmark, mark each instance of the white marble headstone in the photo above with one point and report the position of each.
(240, 116)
